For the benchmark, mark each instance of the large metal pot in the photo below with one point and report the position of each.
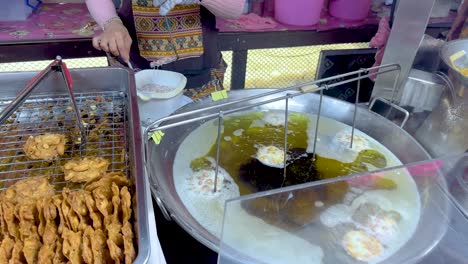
(460, 82)
(161, 157)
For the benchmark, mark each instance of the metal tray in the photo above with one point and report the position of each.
(48, 110)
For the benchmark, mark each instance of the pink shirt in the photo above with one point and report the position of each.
(103, 10)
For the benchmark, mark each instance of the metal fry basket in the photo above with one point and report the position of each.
(107, 104)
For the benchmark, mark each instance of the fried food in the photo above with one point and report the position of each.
(91, 225)
(93, 211)
(45, 147)
(31, 248)
(6, 248)
(85, 170)
(129, 249)
(29, 190)
(9, 217)
(125, 200)
(46, 254)
(115, 203)
(86, 249)
(101, 254)
(25, 213)
(72, 246)
(59, 258)
(107, 180)
(362, 246)
(17, 253)
(115, 251)
(77, 201)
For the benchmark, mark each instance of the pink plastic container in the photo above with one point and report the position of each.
(350, 9)
(298, 12)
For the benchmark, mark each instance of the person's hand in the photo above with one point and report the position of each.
(115, 40)
(166, 5)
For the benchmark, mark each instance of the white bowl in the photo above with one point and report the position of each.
(171, 79)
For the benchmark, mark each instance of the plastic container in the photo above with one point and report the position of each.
(17, 10)
(159, 84)
(350, 10)
(298, 12)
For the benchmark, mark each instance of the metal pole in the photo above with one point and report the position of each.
(220, 121)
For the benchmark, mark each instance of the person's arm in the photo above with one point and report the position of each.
(459, 22)
(115, 38)
(229, 9)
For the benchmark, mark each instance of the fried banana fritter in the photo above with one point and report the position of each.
(85, 170)
(45, 147)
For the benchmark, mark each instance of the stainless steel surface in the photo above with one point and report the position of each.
(307, 87)
(356, 103)
(161, 172)
(62, 67)
(422, 90)
(318, 122)
(443, 132)
(411, 19)
(404, 111)
(218, 140)
(460, 82)
(23, 94)
(286, 130)
(56, 65)
(116, 83)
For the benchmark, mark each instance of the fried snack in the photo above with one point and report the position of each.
(31, 248)
(77, 201)
(70, 216)
(57, 200)
(45, 147)
(9, 217)
(47, 229)
(3, 226)
(29, 190)
(40, 204)
(86, 249)
(46, 254)
(3, 257)
(85, 170)
(6, 248)
(101, 254)
(125, 200)
(93, 211)
(25, 213)
(59, 258)
(115, 251)
(107, 180)
(362, 246)
(115, 203)
(72, 246)
(129, 249)
(17, 253)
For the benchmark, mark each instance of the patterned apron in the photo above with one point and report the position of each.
(178, 34)
(158, 35)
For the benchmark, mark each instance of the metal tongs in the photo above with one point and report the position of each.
(58, 66)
